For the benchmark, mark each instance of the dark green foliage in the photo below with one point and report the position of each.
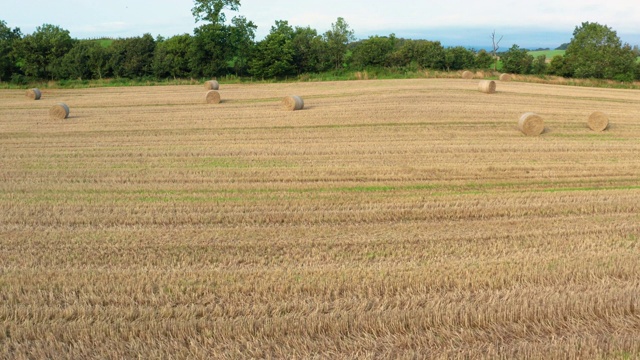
(338, 38)
(242, 34)
(170, 58)
(484, 60)
(210, 51)
(459, 58)
(425, 54)
(86, 60)
(559, 66)
(539, 65)
(132, 57)
(517, 61)
(218, 49)
(309, 51)
(562, 47)
(596, 52)
(8, 40)
(40, 52)
(274, 56)
(374, 51)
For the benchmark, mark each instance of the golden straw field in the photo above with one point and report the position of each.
(387, 219)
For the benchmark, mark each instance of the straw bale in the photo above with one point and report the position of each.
(467, 75)
(487, 86)
(212, 85)
(34, 94)
(293, 103)
(212, 97)
(531, 124)
(59, 111)
(598, 121)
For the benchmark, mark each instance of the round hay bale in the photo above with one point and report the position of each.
(293, 103)
(59, 111)
(212, 85)
(212, 97)
(598, 121)
(467, 75)
(34, 94)
(505, 77)
(531, 124)
(487, 86)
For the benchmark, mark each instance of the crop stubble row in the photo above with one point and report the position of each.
(387, 219)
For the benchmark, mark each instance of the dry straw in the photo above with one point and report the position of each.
(505, 77)
(293, 103)
(467, 75)
(487, 86)
(212, 97)
(34, 94)
(598, 121)
(531, 124)
(59, 111)
(212, 85)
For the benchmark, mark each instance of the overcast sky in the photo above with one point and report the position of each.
(535, 23)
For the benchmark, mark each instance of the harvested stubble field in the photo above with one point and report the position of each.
(388, 219)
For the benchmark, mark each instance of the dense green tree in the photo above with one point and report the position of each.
(539, 65)
(425, 54)
(40, 52)
(484, 60)
(517, 61)
(374, 51)
(242, 36)
(98, 61)
(595, 51)
(170, 58)
(86, 60)
(559, 66)
(338, 39)
(211, 10)
(309, 51)
(8, 40)
(210, 51)
(218, 48)
(274, 55)
(132, 57)
(458, 58)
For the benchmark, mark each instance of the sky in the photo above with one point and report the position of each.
(469, 23)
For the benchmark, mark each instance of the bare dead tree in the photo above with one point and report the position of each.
(496, 46)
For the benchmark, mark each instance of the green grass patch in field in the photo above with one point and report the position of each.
(548, 53)
(232, 163)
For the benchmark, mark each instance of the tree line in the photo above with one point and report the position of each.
(215, 50)
(218, 48)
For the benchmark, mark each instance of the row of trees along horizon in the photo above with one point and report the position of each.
(219, 48)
